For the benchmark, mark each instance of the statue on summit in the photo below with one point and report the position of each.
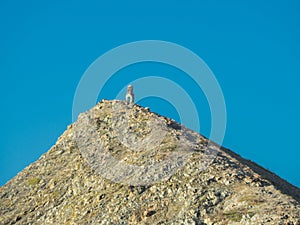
(129, 96)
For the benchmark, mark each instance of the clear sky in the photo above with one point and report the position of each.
(253, 48)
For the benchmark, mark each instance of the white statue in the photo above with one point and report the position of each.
(129, 96)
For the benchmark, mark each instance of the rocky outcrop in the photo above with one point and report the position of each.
(121, 164)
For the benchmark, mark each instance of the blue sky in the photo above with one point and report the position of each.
(252, 47)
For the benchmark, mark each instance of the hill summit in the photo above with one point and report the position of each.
(122, 164)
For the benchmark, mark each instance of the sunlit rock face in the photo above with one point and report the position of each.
(122, 164)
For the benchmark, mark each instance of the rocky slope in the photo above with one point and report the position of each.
(121, 164)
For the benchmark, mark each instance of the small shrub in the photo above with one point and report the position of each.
(234, 216)
(33, 181)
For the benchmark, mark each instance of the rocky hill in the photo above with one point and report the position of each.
(122, 164)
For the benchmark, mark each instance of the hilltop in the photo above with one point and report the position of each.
(123, 164)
